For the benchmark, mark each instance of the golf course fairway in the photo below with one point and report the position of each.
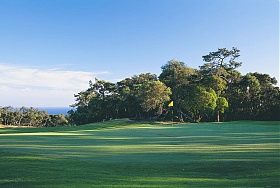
(124, 153)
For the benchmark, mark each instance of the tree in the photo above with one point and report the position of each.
(6, 115)
(153, 96)
(83, 97)
(269, 97)
(244, 98)
(30, 117)
(222, 63)
(215, 89)
(105, 100)
(176, 75)
(222, 104)
(215, 82)
(222, 58)
(129, 91)
(199, 102)
(57, 120)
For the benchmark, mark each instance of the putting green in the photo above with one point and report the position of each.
(123, 153)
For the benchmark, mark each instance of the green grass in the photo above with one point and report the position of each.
(129, 154)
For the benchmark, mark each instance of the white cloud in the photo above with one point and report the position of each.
(21, 86)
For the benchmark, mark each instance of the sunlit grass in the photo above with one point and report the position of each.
(124, 153)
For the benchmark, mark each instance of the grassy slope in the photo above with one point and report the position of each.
(128, 154)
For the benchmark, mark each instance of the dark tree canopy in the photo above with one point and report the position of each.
(223, 58)
(216, 91)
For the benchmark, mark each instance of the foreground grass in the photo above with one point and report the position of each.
(130, 154)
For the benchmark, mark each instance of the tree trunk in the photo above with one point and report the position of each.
(218, 116)
(199, 118)
(159, 112)
(181, 116)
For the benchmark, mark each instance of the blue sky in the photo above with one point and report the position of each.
(45, 44)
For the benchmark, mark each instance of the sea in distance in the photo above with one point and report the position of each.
(55, 110)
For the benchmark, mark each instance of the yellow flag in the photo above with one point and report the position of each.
(170, 104)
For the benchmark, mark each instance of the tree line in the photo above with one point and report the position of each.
(214, 92)
(30, 117)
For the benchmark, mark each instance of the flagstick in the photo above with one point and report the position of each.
(172, 116)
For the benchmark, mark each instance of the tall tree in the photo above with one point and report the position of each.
(222, 58)
(153, 96)
(222, 63)
(176, 75)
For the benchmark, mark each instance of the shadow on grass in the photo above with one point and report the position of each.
(130, 154)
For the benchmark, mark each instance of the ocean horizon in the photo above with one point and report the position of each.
(55, 110)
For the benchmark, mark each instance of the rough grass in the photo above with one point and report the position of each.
(131, 154)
